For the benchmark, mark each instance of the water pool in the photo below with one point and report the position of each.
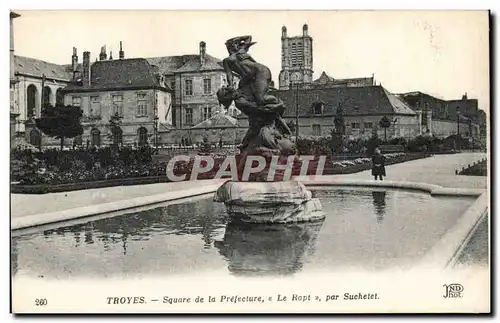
(368, 229)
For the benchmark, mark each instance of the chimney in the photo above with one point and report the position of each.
(74, 60)
(103, 55)
(203, 49)
(464, 97)
(283, 32)
(305, 29)
(86, 69)
(121, 53)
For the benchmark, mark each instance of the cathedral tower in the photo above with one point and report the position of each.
(296, 59)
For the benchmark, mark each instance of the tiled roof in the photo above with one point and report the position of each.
(355, 101)
(36, 67)
(120, 73)
(185, 63)
(219, 120)
(400, 107)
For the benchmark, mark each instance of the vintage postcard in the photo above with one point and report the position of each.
(250, 161)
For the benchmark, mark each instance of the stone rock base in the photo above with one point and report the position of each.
(269, 202)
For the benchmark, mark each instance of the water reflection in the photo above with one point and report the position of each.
(268, 249)
(379, 204)
(181, 219)
(118, 238)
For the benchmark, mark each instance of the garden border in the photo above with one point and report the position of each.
(47, 188)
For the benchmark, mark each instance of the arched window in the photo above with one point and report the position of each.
(143, 136)
(96, 138)
(35, 138)
(47, 93)
(32, 98)
(117, 136)
(59, 97)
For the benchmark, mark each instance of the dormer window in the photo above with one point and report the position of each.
(317, 107)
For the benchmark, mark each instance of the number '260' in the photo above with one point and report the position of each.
(40, 302)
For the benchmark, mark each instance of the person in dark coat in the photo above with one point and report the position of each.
(378, 165)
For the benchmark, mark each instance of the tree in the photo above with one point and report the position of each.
(385, 123)
(60, 122)
(115, 122)
(339, 118)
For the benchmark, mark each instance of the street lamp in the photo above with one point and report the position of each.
(458, 128)
(295, 78)
(385, 123)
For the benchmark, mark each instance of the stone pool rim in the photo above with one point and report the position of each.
(34, 220)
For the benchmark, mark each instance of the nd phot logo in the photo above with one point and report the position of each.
(453, 291)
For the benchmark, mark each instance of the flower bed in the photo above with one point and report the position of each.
(68, 171)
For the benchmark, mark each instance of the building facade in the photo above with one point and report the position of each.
(297, 65)
(131, 89)
(33, 82)
(296, 58)
(361, 109)
(194, 80)
(443, 118)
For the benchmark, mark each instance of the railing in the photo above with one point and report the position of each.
(478, 168)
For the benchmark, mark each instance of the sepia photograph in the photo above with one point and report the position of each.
(244, 161)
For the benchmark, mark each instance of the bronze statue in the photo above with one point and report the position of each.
(267, 129)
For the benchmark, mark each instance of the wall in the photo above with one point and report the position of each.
(198, 100)
(131, 122)
(21, 97)
(443, 128)
(406, 126)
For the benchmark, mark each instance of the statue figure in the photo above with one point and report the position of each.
(267, 130)
(268, 195)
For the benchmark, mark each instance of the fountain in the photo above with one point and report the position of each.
(262, 192)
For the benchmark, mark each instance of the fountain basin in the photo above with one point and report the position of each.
(367, 228)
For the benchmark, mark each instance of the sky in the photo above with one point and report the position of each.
(442, 53)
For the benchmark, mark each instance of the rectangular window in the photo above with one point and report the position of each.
(368, 125)
(189, 116)
(142, 106)
(317, 108)
(207, 113)
(188, 88)
(95, 106)
(76, 101)
(117, 104)
(207, 86)
(355, 125)
(316, 129)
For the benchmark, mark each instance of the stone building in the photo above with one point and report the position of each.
(132, 88)
(326, 81)
(439, 117)
(14, 109)
(362, 108)
(297, 65)
(32, 83)
(194, 80)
